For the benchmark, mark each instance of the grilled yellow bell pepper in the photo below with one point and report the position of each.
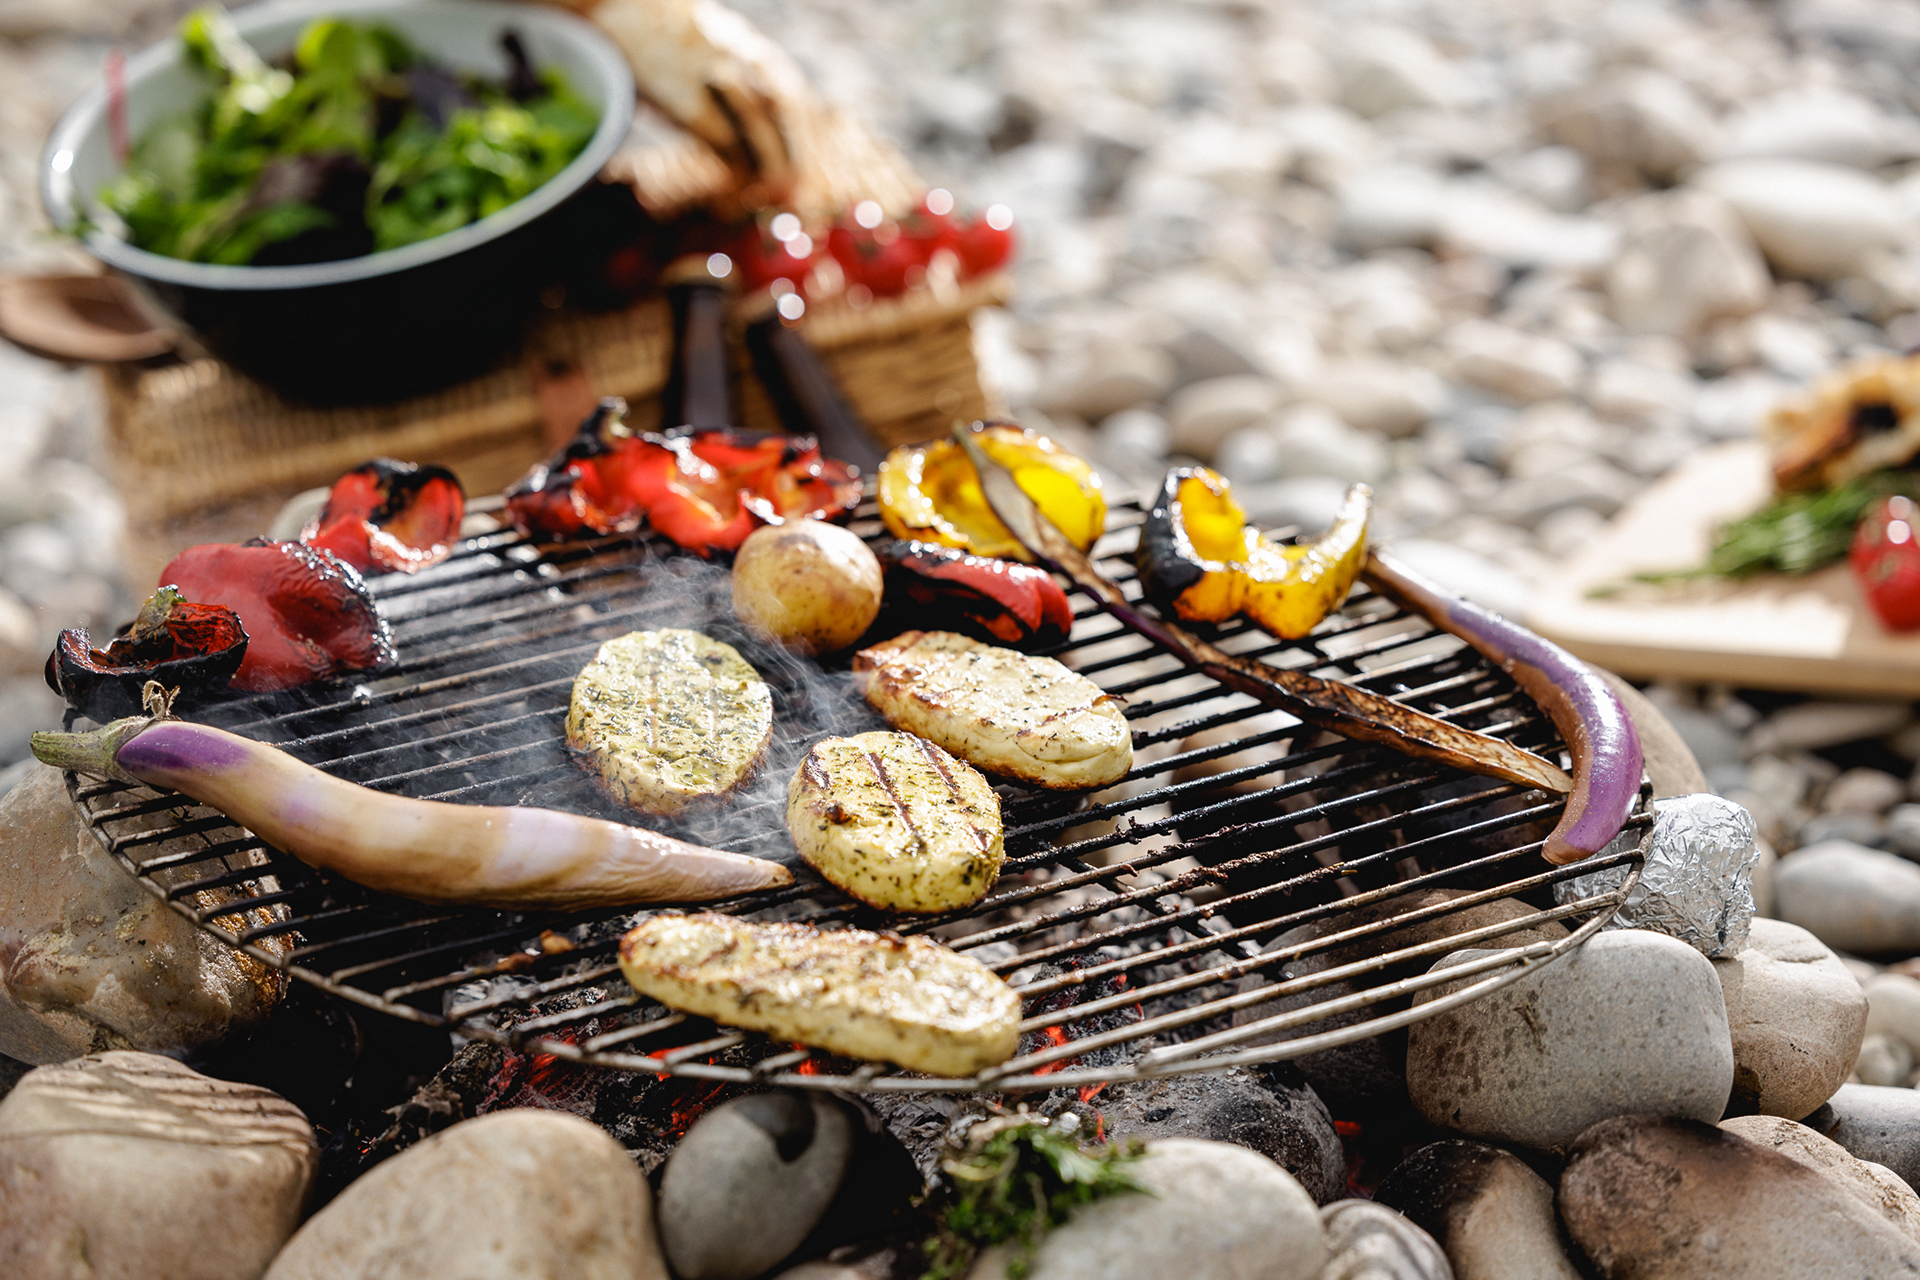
(1201, 562)
(930, 492)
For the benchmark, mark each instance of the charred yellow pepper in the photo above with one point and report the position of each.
(930, 492)
(1201, 562)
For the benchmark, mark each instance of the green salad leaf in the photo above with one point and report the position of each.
(357, 144)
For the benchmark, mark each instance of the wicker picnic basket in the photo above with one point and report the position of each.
(203, 453)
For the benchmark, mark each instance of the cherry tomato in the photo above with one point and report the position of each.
(986, 243)
(763, 259)
(1886, 562)
(890, 269)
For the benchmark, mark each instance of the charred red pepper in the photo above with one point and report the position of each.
(390, 517)
(1886, 562)
(307, 614)
(1012, 603)
(194, 648)
(707, 490)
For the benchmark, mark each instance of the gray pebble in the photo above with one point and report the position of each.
(1368, 1241)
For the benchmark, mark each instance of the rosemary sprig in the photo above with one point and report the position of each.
(1016, 1177)
(1795, 534)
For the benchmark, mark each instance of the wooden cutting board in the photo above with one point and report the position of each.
(1812, 633)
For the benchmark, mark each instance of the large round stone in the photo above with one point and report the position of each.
(1491, 1213)
(1880, 1123)
(515, 1195)
(1632, 1022)
(1215, 1212)
(1877, 1186)
(1682, 1200)
(1368, 1241)
(1852, 898)
(129, 1166)
(1796, 1017)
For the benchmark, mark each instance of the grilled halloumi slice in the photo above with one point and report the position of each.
(896, 822)
(668, 719)
(869, 995)
(1011, 714)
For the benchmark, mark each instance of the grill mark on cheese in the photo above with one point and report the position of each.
(879, 767)
(934, 757)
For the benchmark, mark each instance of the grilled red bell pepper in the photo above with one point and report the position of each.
(1015, 604)
(386, 516)
(706, 490)
(307, 614)
(193, 649)
(1886, 562)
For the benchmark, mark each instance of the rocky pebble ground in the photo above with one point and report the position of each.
(1508, 262)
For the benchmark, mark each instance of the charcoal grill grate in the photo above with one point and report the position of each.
(1138, 923)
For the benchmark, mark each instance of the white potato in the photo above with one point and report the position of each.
(807, 585)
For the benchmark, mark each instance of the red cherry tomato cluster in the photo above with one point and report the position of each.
(882, 256)
(1886, 562)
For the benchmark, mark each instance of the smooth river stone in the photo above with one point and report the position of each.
(1631, 1022)
(1655, 1196)
(130, 1166)
(1876, 1185)
(1215, 1212)
(1879, 1123)
(1368, 1241)
(514, 1195)
(1893, 1007)
(1796, 1017)
(1490, 1212)
(1852, 898)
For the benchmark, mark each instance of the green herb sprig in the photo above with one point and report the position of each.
(1016, 1177)
(1795, 534)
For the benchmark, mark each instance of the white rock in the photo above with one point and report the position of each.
(1893, 1007)
(1687, 261)
(125, 1166)
(1382, 304)
(1250, 455)
(1511, 229)
(1368, 1241)
(1820, 123)
(1810, 726)
(1389, 68)
(1205, 413)
(1105, 375)
(515, 1195)
(1591, 483)
(1466, 573)
(1884, 1060)
(1635, 123)
(1853, 899)
(1138, 433)
(1822, 221)
(1555, 176)
(1416, 500)
(1863, 791)
(1524, 367)
(1390, 206)
(1313, 441)
(1215, 1212)
(1304, 502)
(1641, 395)
(1373, 394)
(1632, 1022)
(21, 652)
(1796, 1017)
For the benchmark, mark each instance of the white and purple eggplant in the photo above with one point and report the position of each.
(1600, 737)
(453, 854)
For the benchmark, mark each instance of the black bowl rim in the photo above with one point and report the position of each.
(79, 119)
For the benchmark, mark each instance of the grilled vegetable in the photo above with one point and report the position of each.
(896, 822)
(707, 491)
(1012, 714)
(872, 995)
(194, 648)
(669, 719)
(390, 517)
(1343, 708)
(307, 615)
(1199, 560)
(811, 587)
(468, 855)
(1599, 735)
(931, 492)
(1014, 604)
